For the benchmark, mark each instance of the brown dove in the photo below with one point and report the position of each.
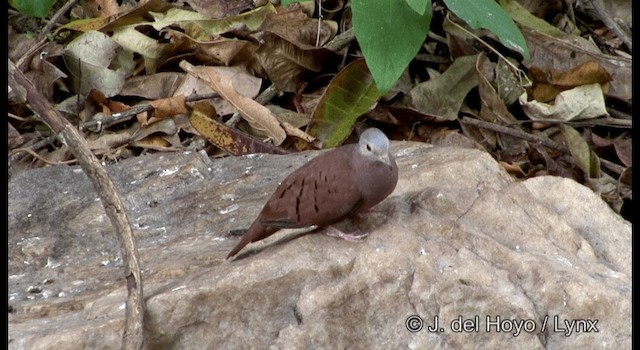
(340, 183)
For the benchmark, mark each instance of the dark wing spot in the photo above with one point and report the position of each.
(298, 200)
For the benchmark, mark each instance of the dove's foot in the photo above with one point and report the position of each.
(356, 236)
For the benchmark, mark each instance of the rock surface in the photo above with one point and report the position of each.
(538, 264)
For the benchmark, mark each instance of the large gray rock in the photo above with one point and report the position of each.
(538, 264)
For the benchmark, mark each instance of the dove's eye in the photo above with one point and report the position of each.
(368, 148)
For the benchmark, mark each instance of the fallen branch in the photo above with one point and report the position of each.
(132, 338)
(515, 133)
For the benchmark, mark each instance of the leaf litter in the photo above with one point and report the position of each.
(251, 77)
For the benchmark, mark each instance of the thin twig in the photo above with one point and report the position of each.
(319, 23)
(37, 156)
(436, 37)
(616, 168)
(607, 19)
(340, 41)
(514, 132)
(101, 121)
(604, 121)
(98, 123)
(32, 145)
(517, 71)
(42, 37)
(618, 114)
(55, 18)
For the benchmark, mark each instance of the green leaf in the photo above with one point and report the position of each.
(526, 19)
(489, 15)
(289, 2)
(420, 6)
(390, 33)
(350, 93)
(35, 8)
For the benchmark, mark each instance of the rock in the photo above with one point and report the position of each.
(537, 264)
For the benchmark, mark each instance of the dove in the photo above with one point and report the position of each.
(335, 185)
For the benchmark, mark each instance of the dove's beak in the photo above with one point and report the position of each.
(384, 157)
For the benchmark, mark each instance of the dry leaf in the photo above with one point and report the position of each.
(228, 139)
(259, 116)
(168, 107)
(582, 102)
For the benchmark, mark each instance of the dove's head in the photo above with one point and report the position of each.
(374, 144)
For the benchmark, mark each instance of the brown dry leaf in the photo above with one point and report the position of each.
(19, 44)
(513, 169)
(244, 83)
(155, 142)
(286, 63)
(101, 8)
(545, 92)
(14, 138)
(256, 114)
(291, 47)
(116, 106)
(582, 102)
(562, 165)
(550, 82)
(293, 122)
(222, 136)
(298, 120)
(624, 150)
(626, 178)
(41, 71)
(107, 141)
(138, 14)
(219, 52)
(492, 109)
(565, 53)
(293, 131)
(164, 127)
(587, 73)
(622, 146)
(220, 9)
(167, 107)
(161, 85)
(295, 26)
(153, 86)
(44, 76)
(143, 118)
(98, 106)
(383, 114)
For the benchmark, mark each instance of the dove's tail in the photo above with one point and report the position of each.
(256, 232)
